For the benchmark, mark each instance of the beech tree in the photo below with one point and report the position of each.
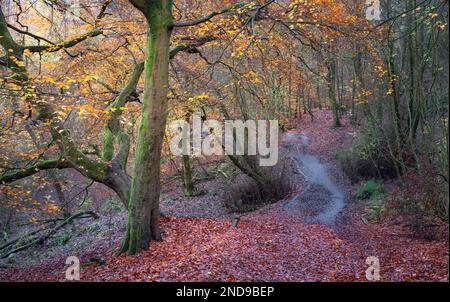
(110, 169)
(143, 208)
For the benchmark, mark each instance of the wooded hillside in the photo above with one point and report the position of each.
(89, 92)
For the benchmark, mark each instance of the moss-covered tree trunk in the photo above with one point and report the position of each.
(113, 130)
(143, 208)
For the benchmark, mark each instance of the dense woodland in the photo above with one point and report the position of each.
(88, 89)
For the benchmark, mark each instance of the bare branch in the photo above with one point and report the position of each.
(102, 12)
(210, 16)
(65, 44)
(191, 47)
(20, 31)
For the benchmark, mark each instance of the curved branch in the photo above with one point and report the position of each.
(102, 12)
(139, 4)
(190, 47)
(65, 44)
(17, 174)
(34, 36)
(210, 16)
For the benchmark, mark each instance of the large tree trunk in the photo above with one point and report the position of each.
(119, 181)
(143, 208)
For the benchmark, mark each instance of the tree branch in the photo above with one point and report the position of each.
(102, 12)
(210, 16)
(17, 174)
(139, 4)
(190, 47)
(20, 31)
(65, 44)
(50, 232)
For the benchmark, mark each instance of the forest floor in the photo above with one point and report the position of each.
(317, 234)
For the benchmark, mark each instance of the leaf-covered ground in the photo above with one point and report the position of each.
(271, 244)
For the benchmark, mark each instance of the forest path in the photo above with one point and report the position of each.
(322, 199)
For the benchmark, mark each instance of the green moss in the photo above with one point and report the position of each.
(108, 144)
(154, 107)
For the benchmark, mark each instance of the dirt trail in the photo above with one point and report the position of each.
(322, 196)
